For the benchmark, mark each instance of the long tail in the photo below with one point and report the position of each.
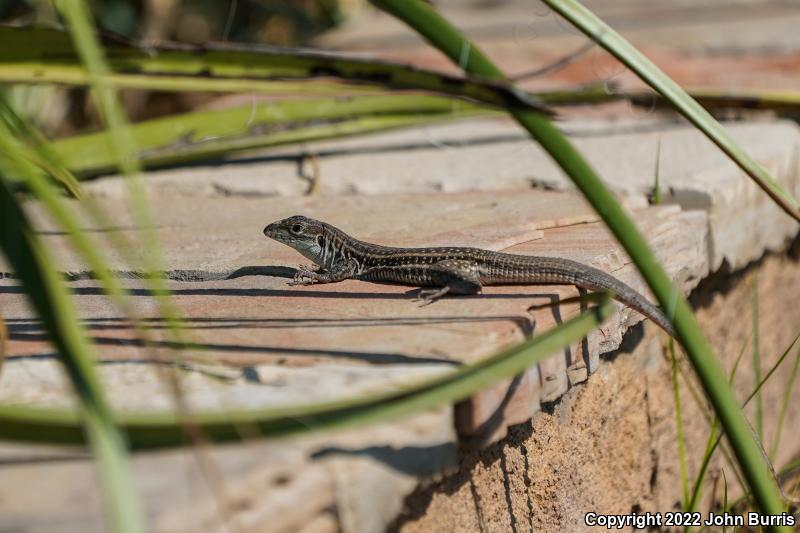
(599, 280)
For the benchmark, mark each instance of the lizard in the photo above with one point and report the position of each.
(449, 270)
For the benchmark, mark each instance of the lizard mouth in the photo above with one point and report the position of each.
(271, 231)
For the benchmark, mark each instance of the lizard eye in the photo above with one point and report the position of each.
(296, 229)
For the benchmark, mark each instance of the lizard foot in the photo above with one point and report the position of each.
(304, 276)
(428, 296)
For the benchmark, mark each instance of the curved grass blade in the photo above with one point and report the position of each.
(49, 56)
(161, 430)
(781, 102)
(785, 474)
(81, 243)
(208, 134)
(697, 489)
(38, 153)
(123, 147)
(714, 438)
(428, 23)
(724, 496)
(3, 342)
(64, 216)
(676, 393)
(597, 30)
(787, 394)
(754, 314)
(42, 285)
(203, 135)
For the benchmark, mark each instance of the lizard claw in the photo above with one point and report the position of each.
(301, 282)
(428, 296)
(304, 276)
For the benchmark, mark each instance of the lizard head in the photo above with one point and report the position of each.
(301, 233)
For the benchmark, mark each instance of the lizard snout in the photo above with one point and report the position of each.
(271, 230)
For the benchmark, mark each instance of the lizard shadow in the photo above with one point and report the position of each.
(282, 293)
(30, 332)
(414, 460)
(242, 351)
(23, 325)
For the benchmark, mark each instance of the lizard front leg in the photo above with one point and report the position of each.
(338, 272)
(453, 276)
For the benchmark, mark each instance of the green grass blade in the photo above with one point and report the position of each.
(787, 394)
(202, 135)
(41, 282)
(123, 147)
(41, 55)
(597, 30)
(147, 431)
(64, 216)
(771, 371)
(713, 439)
(428, 23)
(676, 392)
(785, 474)
(39, 154)
(656, 199)
(3, 342)
(781, 102)
(711, 444)
(724, 496)
(207, 134)
(37, 184)
(759, 415)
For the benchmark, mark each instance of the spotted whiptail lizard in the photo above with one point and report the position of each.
(450, 270)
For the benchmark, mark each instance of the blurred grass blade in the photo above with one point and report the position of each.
(757, 408)
(714, 439)
(41, 282)
(724, 497)
(711, 443)
(38, 151)
(122, 145)
(203, 135)
(757, 390)
(82, 31)
(160, 430)
(781, 102)
(207, 134)
(65, 217)
(676, 392)
(423, 18)
(656, 198)
(3, 342)
(43, 55)
(787, 395)
(786, 474)
(597, 30)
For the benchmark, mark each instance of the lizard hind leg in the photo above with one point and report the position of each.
(451, 276)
